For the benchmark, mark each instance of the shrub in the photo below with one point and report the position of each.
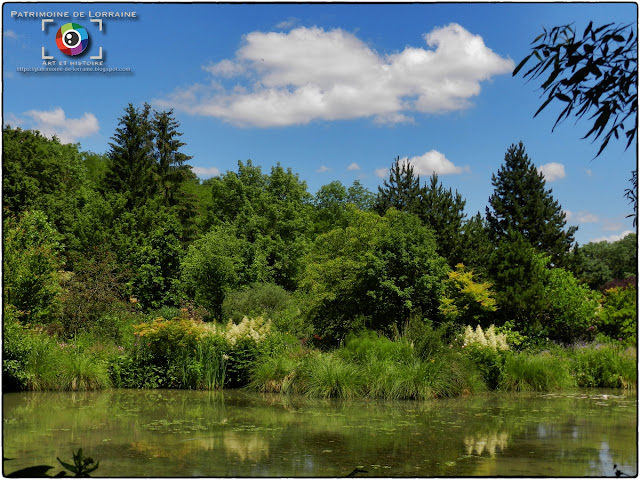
(619, 315)
(262, 299)
(15, 350)
(466, 300)
(94, 290)
(31, 261)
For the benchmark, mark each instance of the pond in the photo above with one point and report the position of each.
(170, 433)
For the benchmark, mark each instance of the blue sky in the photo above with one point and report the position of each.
(334, 91)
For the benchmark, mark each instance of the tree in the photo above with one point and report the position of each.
(438, 208)
(521, 203)
(542, 302)
(375, 273)
(331, 200)
(476, 245)
(402, 190)
(131, 162)
(597, 72)
(601, 262)
(42, 174)
(215, 265)
(272, 212)
(443, 211)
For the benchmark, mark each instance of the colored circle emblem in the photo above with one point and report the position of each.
(72, 39)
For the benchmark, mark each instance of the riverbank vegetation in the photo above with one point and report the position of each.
(125, 270)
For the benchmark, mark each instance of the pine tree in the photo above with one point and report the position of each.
(521, 203)
(131, 162)
(401, 191)
(443, 211)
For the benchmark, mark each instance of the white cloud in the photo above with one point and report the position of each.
(382, 172)
(288, 23)
(433, 162)
(10, 34)
(586, 217)
(203, 172)
(353, 167)
(55, 122)
(612, 238)
(323, 169)
(589, 172)
(311, 74)
(552, 171)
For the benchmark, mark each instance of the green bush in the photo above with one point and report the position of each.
(619, 315)
(607, 366)
(31, 262)
(16, 346)
(258, 300)
(488, 361)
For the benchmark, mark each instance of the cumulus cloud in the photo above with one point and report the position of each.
(56, 123)
(311, 74)
(382, 172)
(203, 172)
(433, 162)
(353, 167)
(552, 171)
(323, 169)
(612, 238)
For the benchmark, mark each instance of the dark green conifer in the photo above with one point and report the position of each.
(521, 203)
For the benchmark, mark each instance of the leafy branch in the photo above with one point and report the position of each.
(597, 72)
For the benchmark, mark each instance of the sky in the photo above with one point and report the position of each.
(332, 91)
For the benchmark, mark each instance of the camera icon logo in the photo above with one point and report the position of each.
(72, 39)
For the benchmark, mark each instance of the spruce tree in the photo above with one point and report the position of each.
(521, 203)
(170, 162)
(131, 162)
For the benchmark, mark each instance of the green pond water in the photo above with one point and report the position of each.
(156, 433)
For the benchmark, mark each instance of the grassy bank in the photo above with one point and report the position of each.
(421, 363)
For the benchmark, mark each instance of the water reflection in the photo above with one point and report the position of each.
(232, 433)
